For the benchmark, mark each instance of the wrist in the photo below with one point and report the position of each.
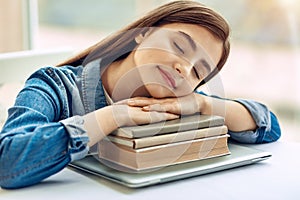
(204, 104)
(213, 106)
(103, 120)
(119, 115)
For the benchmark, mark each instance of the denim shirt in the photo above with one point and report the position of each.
(44, 131)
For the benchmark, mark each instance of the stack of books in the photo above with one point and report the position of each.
(186, 139)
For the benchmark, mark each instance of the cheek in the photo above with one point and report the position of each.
(185, 89)
(153, 81)
(149, 74)
(146, 62)
(153, 56)
(142, 57)
(194, 82)
(137, 58)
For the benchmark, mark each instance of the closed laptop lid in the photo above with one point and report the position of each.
(240, 156)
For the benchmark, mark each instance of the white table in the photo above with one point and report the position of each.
(276, 178)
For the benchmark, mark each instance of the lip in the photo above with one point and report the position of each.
(167, 77)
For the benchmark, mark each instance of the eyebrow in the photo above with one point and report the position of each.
(206, 65)
(189, 38)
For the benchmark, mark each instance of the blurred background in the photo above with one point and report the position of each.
(264, 63)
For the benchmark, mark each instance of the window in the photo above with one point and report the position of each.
(264, 63)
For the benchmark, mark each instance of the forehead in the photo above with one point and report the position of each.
(212, 45)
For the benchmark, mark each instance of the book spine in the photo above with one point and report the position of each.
(217, 152)
(169, 138)
(120, 140)
(185, 146)
(186, 123)
(173, 128)
(139, 165)
(160, 157)
(178, 137)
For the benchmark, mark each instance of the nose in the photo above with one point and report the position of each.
(183, 68)
(178, 67)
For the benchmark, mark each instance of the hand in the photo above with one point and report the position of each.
(185, 105)
(125, 115)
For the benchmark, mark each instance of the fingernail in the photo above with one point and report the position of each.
(146, 107)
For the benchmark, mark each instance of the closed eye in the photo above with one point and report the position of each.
(196, 73)
(202, 68)
(178, 47)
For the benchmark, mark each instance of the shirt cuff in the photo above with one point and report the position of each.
(259, 112)
(249, 137)
(261, 116)
(79, 139)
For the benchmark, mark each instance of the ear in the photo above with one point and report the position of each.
(138, 39)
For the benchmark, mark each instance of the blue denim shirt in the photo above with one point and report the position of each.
(44, 131)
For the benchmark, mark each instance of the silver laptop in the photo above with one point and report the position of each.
(240, 156)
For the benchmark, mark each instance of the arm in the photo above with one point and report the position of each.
(248, 121)
(267, 124)
(237, 117)
(34, 142)
(41, 136)
(102, 122)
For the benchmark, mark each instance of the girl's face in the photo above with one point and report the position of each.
(173, 59)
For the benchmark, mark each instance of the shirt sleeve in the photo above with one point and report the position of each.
(268, 128)
(39, 137)
(78, 137)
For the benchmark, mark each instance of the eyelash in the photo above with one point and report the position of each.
(182, 51)
(196, 73)
(178, 47)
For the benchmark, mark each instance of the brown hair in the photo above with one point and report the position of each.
(118, 45)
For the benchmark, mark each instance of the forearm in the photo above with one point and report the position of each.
(248, 121)
(102, 122)
(237, 117)
(99, 124)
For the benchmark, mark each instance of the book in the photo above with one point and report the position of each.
(185, 123)
(137, 143)
(163, 155)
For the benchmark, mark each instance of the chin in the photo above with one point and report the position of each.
(158, 91)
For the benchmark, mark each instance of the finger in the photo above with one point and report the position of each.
(137, 101)
(170, 116)
(154, 107)
(122, 102)
(159, 116)
(167, 107)
(133, 101)
(141, 101)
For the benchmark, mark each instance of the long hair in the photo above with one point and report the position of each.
(117, 46)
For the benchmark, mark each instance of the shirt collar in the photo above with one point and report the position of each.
(108, 98)
(93, 93)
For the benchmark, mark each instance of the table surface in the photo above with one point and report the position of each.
(275, 178)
